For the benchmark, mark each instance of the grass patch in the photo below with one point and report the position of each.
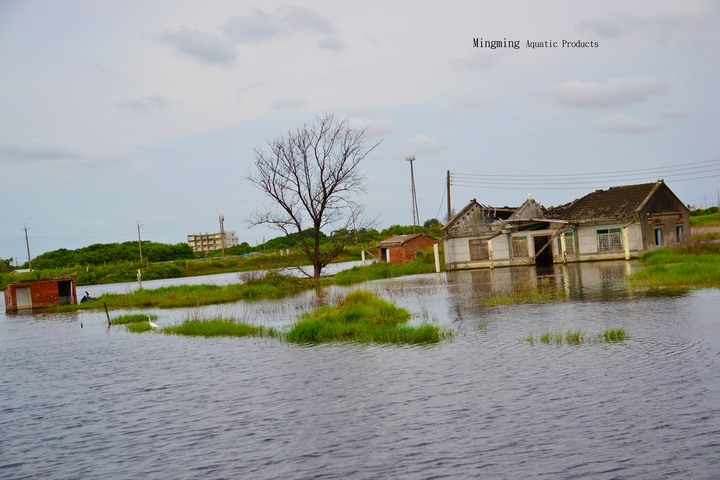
(139, 327)
(615, 335)
(218, 327)
(132, 318)
(577, 337)
(363, 317)
(693, 266)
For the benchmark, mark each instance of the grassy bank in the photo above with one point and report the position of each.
(693, 266)
(271, 285)
(382, 270)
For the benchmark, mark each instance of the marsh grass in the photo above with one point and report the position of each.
(578, 337)
(539, 295)
(363, 317)
(381, 270)
(615, 335)
(139, 327)
(669, 269)
(132, 318)
(218, 327)
(270, 286)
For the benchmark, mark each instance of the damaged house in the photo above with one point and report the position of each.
(618, 223)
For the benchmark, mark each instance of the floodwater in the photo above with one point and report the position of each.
(99, 402)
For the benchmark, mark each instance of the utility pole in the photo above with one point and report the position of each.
(222, 234)
(416, 217)
(449, 214)
(139, 241)
(27, 245)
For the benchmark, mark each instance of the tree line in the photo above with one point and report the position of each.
(111, 253)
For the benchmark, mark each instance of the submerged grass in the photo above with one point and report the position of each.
(363, 317)
(132, 318)
(543, 293)
(577, 337)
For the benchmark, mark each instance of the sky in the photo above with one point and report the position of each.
(116, 115)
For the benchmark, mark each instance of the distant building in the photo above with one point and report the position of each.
(208, 242)
(402, 248)
(29, 294)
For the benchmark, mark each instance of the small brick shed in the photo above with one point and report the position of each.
(29, 294)
(402, 248)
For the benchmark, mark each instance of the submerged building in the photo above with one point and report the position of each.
(618, 223)
(47, 292)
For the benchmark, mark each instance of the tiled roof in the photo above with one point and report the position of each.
(613, 203)
(398, 240)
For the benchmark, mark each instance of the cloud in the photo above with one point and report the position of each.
(256, 27)
(333, 44)
(146, 104)
(305, 19)
(203, 46)
(679, 29)
(373, 127)
(613, 93)
(621, 123)
(33, 153)
(260, 26)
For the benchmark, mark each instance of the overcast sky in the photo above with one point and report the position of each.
(116, 113)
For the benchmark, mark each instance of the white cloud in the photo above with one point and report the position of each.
(621, 123)
(285, 22)
(34, 153)
(203, 46)
(613, 93)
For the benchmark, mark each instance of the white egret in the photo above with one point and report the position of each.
(152, 325)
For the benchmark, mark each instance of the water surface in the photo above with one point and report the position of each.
(99, 402)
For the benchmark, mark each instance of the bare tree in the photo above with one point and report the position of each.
(312, 175)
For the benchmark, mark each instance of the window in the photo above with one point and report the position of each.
(679, 233)
(658, 236)
(520, 247)
(569, 242)
(609, 240)
(479, 250)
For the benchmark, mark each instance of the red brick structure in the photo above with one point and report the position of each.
(402, 248)
(47, 292)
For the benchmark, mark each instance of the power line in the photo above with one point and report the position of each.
(678, 173)
(667, 168)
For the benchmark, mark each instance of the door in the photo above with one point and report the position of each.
(23, 297)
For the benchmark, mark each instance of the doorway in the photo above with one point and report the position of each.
(543, 250)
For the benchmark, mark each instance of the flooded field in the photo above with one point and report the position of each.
(99, 402)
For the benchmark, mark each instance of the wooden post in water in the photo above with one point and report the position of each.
(107, 314)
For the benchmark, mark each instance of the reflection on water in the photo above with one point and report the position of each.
(99, 402)
(580, 281)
